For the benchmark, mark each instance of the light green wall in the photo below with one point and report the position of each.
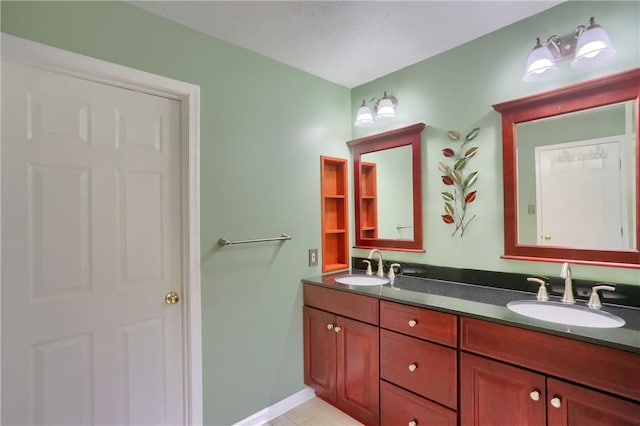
(260, 165)
(263, 128)
(455, 90)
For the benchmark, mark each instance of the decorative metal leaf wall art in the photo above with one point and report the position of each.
(461, 194)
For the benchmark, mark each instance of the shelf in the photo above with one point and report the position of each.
(334, 214)
(368, 200)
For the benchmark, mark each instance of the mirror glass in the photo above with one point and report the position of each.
(576, 178)
(394, 195)
(570, 170)
(388, 189)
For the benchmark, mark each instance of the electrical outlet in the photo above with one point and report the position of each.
(313, 257)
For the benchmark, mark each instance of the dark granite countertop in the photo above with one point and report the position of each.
(489, 304)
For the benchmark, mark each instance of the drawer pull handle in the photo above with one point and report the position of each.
(535, 395)
(412, 323)
(329, 326)
(413, 422)
(413, 367)
(556, 402)
(337, 329)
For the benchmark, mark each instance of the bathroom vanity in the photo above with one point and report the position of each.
(391, 356)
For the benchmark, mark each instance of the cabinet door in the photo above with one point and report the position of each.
(358, 370)
(320, 352)
(492, 393)
(570, 405)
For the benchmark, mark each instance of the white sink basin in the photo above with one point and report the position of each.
(361, 280)
(561, 313)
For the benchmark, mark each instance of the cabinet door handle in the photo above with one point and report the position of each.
(413, 367)
(329, 326)
(556, 402)
(535, 395)
(412, 323)
(337, 329)
(413, 422)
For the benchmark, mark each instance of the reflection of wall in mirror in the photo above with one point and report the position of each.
(601, 122)
(395, 192)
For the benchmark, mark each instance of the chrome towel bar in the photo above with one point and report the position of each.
(224, 242)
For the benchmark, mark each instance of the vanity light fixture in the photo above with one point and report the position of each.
(586, 46)
(383, 108)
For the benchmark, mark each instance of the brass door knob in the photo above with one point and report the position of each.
(172, 298)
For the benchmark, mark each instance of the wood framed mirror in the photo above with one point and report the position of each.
(571, 168)
(387, 170)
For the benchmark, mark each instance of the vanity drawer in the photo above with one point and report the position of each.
(604, 368)
(425, 368)
(435, 326)
(349, 305)
(399, 407)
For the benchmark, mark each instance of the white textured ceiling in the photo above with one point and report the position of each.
(347, 42)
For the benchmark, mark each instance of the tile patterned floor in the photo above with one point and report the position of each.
(314, 412)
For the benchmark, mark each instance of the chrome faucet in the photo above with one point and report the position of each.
(565, 273)
(380, 272)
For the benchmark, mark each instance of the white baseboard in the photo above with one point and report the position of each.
(278, 409)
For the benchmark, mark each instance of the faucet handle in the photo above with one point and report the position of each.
(594, 299)
(368, 262)
(542, 291)
(392, 271)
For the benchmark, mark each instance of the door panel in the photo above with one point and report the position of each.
(358, 369)
(91, 225)
(581, 406)
(52, 230)
(583, 178)
(320, 352)
(53, 361)
(492, 393)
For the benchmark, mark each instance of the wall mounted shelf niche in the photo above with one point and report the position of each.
(335, 217)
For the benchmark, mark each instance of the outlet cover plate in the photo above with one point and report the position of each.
(313, 257)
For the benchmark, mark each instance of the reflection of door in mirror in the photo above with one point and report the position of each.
(576, 179)
(385, 177)
(580, 194)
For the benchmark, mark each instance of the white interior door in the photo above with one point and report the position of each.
(91, 244)
(581, 195)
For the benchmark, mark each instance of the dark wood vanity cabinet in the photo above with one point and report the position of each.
(392, 364)
(495, 392)
(418, 365)
(340, 353)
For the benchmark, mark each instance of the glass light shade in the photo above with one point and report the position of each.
(364, 117)
(593, 47)
(386, 109)
(540, 63)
